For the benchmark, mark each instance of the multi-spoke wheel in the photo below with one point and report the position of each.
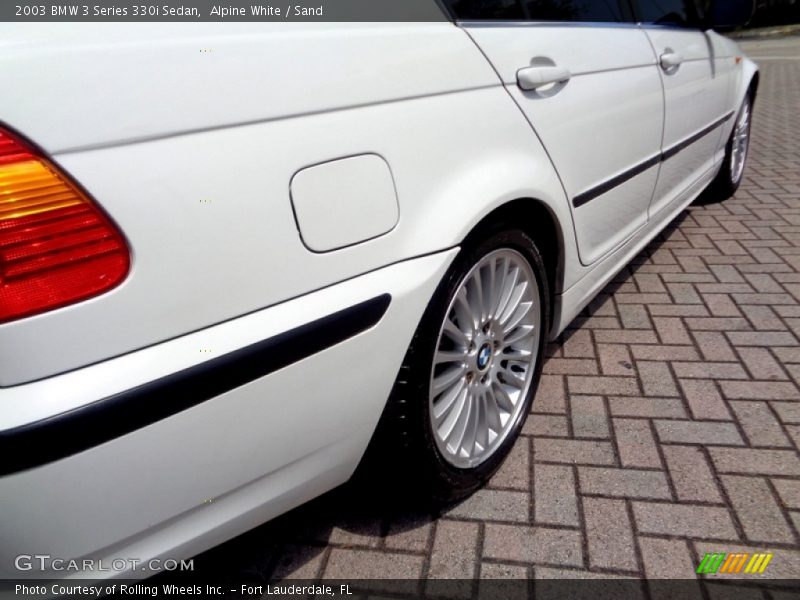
(485, 357)
(471, 370)
(740, 144)
(732, 171)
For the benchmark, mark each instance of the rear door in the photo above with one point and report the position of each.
(696, 93)
(600, 120)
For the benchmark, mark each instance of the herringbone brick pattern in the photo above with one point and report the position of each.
(667, 423)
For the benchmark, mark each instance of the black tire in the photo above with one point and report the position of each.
(403, 452)
(725, 184)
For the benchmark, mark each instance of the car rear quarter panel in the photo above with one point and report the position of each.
(189, 136)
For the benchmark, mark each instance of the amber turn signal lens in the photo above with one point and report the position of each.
(56, 246)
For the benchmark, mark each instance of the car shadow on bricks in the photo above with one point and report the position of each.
(298, 544)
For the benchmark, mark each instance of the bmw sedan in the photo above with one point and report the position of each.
(239, 260)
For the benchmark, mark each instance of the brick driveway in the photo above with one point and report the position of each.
(667, 423)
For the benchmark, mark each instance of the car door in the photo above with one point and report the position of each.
(696, 96)
(585, 76)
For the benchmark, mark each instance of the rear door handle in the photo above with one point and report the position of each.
(531, 78)
(670, 61)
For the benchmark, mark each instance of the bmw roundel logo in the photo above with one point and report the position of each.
(484, 356)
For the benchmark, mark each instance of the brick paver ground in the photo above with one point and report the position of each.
(667, 423)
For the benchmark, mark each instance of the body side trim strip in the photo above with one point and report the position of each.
(673, 150)
(77, 430)
(607, 186)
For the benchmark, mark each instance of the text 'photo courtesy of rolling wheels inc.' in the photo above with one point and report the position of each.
(400, 299)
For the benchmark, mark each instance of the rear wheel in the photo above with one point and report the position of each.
(471, 371)
(731, 174)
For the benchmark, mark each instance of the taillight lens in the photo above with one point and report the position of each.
(56, 246)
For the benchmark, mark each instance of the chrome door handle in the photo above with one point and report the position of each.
(531, 78)
(670, 61)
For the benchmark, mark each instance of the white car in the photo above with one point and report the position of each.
(237, 258)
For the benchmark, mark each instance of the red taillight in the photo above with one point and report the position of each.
(56, 246)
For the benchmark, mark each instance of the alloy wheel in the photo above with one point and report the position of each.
(740, 143)
(485, 358)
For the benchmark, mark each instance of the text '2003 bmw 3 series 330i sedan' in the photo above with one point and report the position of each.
(222, 288)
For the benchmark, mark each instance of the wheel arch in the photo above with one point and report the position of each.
(537, 220)
(749, 82)
(752, 87)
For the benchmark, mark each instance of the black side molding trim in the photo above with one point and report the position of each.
(673, 150)
(609, 185)
(71, 432)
